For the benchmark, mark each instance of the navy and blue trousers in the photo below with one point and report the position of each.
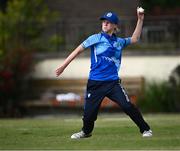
(96, 91)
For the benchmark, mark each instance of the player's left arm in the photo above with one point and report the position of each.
(68, 60)
(137, 32)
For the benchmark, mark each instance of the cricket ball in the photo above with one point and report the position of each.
(140, 10)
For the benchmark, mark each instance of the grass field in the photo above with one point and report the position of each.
(112, 132)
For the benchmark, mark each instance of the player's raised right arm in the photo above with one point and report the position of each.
(137, 32)
(67, 61)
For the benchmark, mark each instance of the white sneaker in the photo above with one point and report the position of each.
(147, 133)
(79, 135)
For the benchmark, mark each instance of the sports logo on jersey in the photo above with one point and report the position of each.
(117, 45)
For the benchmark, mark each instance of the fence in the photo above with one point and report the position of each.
(158, 32)
(161, 33)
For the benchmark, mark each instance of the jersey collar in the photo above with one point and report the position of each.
(111, 38)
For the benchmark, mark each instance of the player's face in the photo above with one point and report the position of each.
(108, 27)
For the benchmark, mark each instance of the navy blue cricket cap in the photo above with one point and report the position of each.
(110, 16)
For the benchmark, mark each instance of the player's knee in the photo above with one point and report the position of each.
(127, 107)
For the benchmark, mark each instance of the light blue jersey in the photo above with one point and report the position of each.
(105, 55)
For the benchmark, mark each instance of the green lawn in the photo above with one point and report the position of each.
(111, 132)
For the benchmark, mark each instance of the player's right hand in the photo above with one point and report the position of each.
(140, 14)
(59, 70)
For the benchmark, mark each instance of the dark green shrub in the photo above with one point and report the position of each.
(160, 97)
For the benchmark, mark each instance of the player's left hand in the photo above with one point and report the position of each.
(59, 71)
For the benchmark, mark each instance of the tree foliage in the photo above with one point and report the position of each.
(23, 22)
(21, 26)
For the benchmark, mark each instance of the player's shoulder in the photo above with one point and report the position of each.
(121, 39)
(96, 36)
(124, 41)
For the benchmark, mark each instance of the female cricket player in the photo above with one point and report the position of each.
(106, 49)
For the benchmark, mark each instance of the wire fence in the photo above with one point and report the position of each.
(162, 33)
(159, 33)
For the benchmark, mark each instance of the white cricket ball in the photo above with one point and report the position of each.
(140, 10)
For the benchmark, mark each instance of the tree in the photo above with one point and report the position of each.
(21, 26)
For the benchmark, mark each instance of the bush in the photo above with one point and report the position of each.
(14, 69)
(160, 97)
